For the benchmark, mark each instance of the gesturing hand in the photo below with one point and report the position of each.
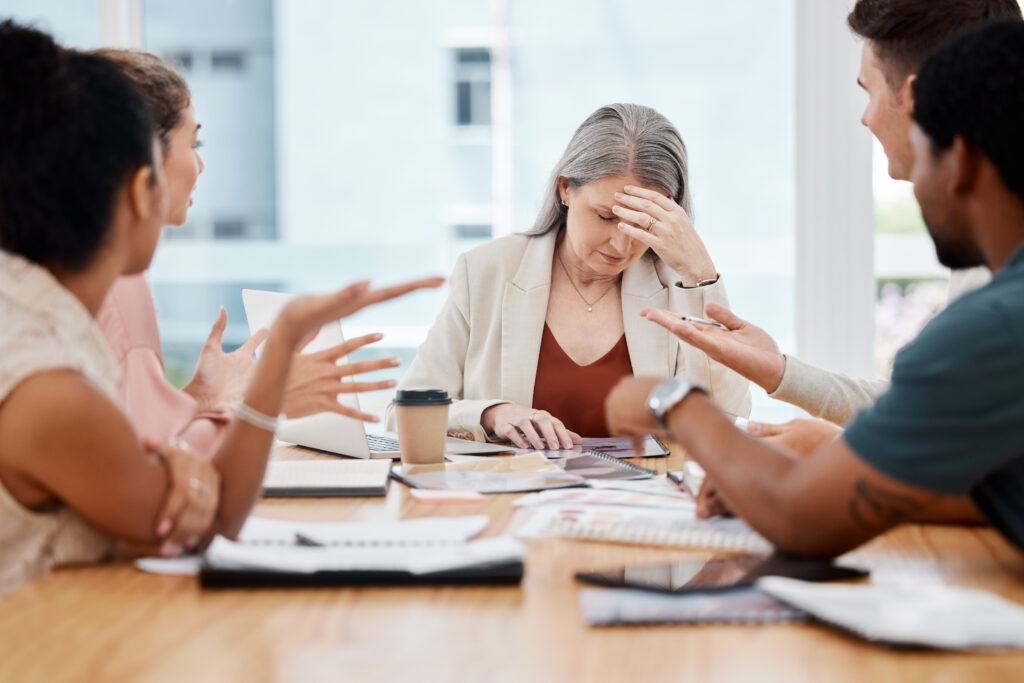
(657, 221)
(743, 347)
(528, 428)
(302, 316)
(193, 494)
(316, 379)
(801, 437)
(222, 377)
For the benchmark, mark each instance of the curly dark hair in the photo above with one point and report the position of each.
(973, 87)
(904, 32)
(165, 91)
(73, 129)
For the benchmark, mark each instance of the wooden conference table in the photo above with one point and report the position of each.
(117, 623)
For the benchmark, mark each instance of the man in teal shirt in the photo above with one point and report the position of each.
(953, 421)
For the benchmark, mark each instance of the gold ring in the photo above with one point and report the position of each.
(651, 223)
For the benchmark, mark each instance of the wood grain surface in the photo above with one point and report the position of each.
(113, 622)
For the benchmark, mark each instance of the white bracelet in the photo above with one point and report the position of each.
(255, 418)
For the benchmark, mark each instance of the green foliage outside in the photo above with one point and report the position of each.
(899, 217)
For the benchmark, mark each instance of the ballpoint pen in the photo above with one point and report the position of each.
(702, 321)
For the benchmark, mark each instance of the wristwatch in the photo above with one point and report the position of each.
(666, 396)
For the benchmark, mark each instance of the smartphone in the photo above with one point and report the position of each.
(718, 573)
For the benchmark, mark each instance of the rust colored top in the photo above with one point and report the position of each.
(575, 393)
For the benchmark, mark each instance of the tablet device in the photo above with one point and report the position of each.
(719, 572)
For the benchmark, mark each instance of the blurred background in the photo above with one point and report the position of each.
(350, 138)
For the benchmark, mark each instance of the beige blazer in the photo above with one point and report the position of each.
(484, 346)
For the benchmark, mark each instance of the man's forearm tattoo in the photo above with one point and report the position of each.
(874, 508)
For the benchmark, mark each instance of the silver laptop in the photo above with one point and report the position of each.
(330, 431)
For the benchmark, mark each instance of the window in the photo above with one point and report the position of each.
(911, 285)
(229, 65)
(74, 24)
(342, 167)
(180, 60)
(472, 86)
(472, 232)
(324, 166)
(227, 60)
(229, 228)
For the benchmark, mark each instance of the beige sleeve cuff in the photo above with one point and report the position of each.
(831, 396)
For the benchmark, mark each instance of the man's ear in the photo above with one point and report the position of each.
(906, 94)
(965, 161)
(141, 194)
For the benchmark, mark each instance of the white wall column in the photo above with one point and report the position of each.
(501, 123)
(834, 208)
(121, 23)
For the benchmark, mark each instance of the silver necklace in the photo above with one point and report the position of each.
(590, 304)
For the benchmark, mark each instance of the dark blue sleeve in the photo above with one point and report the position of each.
(955, 411)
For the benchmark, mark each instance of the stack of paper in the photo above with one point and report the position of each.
(630, 606)
(407, 532)
(945, 617)
(225, 554)
(416, 546)
(489, 475)
(606, 496)
(321, 478)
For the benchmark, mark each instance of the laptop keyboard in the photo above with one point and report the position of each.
(381, 444)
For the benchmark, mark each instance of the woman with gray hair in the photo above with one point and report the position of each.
(539, 326)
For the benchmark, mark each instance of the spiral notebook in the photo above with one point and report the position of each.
(593, 464)
(620, 524)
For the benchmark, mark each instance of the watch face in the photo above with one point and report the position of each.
(666, 396)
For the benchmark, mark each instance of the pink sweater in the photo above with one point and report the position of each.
(154, 406)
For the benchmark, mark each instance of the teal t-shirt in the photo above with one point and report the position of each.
(953, 420)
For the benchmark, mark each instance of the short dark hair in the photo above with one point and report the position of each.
(973, 87)
(164, 90)
(904, 32)
(73, 129)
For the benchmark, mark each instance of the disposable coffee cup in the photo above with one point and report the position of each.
(422, 416)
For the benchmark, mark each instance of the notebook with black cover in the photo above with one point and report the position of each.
(497, 574)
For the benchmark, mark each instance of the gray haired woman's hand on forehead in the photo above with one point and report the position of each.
(659, 222)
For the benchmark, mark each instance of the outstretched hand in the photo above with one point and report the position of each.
(316, 379)
(801, 437)
(743, 347)
(222, 377)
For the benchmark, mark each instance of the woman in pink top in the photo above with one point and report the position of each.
(200, 412)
